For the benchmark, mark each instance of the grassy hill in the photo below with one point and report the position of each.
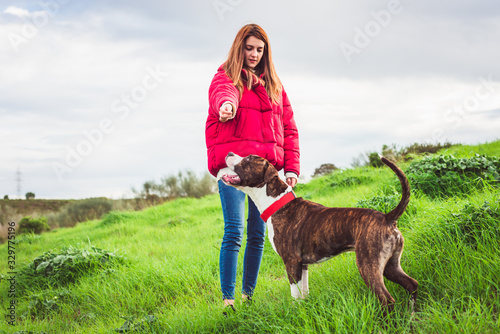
(157, 270)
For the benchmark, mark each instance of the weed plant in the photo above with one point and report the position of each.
(448, 176)
(52, 270)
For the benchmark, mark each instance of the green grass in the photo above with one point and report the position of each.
(467, 151)
(169, 281)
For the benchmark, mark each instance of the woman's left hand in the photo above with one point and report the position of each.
(291, 181)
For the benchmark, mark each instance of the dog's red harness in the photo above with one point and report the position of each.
(287, 198)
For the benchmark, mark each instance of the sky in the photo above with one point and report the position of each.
(98, 97)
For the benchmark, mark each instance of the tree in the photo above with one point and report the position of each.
(324, 169)
(172, 186)
(30, 195)
(184, 184)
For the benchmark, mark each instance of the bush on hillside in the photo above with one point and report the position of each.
(33, 225)
(447, 176)
(473, 223)
(81, 211)
(374, 160)
(69, 265)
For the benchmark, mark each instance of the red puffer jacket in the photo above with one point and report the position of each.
(259, 127)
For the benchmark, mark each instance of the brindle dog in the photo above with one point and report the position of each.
(303, 232)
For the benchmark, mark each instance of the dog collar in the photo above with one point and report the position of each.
(287, 198)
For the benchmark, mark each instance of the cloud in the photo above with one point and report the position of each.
(65, 80)
(16, 11)
(355, 116)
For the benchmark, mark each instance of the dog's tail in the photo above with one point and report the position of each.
(405, 198)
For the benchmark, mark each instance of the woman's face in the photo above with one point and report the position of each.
(254, 49)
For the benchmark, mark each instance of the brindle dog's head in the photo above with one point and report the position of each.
(253, 172)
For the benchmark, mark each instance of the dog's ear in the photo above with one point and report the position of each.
(274, 184)
(270, 172)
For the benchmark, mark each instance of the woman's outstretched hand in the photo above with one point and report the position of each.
(225, 112)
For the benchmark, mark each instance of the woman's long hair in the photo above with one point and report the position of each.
(236, 59)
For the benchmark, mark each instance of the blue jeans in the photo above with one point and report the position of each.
(233, 208)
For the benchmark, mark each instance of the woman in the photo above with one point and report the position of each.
(249, 113)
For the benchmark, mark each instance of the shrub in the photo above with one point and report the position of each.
(374, 160)
(33, 225)
(386, 203)
(68, 266)
(380, 203)
(472, 223)
(445, 175)
(89, 209)
(81, 211)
